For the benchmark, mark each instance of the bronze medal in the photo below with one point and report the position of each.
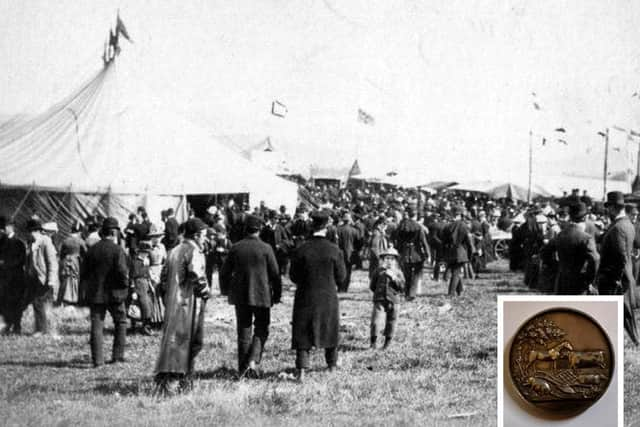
(561, 361)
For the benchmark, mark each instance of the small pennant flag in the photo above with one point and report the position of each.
(544, 141)
(121, 29)
(563, 130)
(365, 117)
(536, 106)
(562, 141)
(355, 169)
(278, 109)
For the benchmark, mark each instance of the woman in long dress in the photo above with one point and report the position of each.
(72, 251)
(157, 259)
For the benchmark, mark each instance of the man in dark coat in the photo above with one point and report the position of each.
(578, 258)
(317, 268)
(457, 246)
(276, 236)
(251, 280)
(348, 239)
(435, 224)
(105, 276)
(615, 275)
(170, 230)
(411, 242)
(13, 254)
(300, 228)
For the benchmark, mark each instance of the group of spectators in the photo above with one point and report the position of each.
(162, 275)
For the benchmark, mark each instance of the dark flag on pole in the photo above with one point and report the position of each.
(355, 169)
(365, 117)
(121, 29)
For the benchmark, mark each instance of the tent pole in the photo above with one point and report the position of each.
(24, 199)
(530, 165)
(606, 165)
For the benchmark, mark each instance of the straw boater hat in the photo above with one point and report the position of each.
(51, 227)
(154, 231)
(390, 252)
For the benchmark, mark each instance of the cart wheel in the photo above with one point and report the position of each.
(501, 249)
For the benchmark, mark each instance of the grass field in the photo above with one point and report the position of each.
(441, 370)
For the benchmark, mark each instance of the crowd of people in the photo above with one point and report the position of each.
(160, 276)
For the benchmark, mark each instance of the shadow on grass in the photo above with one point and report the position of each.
(124, 388)
(74, 363)
(351, 347)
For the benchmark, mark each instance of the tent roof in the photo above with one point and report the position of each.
(110, 135)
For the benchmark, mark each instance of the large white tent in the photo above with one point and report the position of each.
(109, 147)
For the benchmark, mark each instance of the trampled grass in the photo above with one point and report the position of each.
(441, 370)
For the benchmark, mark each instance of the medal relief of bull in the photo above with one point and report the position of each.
(585, 359)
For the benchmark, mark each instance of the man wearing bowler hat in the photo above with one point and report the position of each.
(105, 276)
(251, 280)
(317, 268)
(615, 275)
(578, 258)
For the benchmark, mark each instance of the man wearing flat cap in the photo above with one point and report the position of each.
(186, 290)
(615, 275)
(105, 280)
(317, 268)
(577, 255)
(410, 240)
(41, 274)
(251, 280)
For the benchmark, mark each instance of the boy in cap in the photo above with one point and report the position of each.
(387, 284)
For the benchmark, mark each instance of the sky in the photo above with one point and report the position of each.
(450, 84)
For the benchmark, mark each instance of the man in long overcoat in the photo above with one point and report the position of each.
(105, 279)
(251, 280)
(317, 268)
(411, 242)
(184, 283)
(458, 247)
(578, 258)
(615, 275)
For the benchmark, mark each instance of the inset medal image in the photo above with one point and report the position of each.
(561, 361)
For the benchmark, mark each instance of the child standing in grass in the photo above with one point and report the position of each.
(387, 284)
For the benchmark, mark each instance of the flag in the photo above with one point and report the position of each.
(562, 141)
(365, 117)
(121, 29)
(544, 141)
(561, 130)
(278, 109)
(355, 169)
(536, 106)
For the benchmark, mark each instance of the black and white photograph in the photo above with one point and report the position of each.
(304, 213)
